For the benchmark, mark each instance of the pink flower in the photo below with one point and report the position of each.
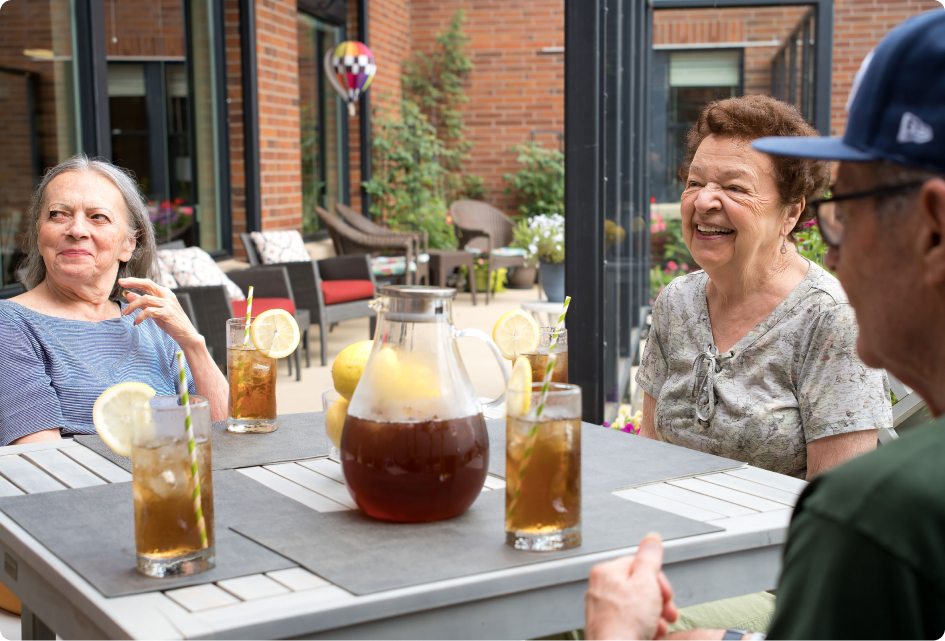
(672, 266)
(810, 223)
(628, 428)
(685, 267)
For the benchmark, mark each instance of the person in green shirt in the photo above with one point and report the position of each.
(865, 553)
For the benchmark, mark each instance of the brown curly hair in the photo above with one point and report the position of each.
(750, 117)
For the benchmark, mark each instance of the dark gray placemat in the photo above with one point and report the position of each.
(611, 459)
(363, 555)
(92, 530)
(299, 436)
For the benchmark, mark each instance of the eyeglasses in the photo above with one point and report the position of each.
(830, 220)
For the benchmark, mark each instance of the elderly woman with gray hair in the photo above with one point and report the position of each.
(68, 337)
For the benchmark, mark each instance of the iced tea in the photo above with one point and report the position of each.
(167, 537)
(415, 471)
(252, 380)
(539, 359)
(543, 473)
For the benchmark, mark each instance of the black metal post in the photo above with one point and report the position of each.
(823, 56)
(92, 67)
(364, 118)
(250, 116)
(221, 104)
(583, 239)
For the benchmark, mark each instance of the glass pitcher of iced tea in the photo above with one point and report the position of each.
(414, 445)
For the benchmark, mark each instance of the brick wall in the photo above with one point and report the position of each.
(234, 91)
(145, 28)
(513, 88)
(858, 26)
(279, 159)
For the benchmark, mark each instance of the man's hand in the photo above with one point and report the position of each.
(630, 597)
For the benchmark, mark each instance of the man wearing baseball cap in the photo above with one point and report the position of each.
(865, 554)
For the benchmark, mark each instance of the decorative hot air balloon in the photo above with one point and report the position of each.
(350, 68)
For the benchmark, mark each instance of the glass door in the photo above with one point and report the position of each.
(322, 121)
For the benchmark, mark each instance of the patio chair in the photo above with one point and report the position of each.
(480, 225)
(332, 290)
(368, 226)
(350, 241)
(908, 412)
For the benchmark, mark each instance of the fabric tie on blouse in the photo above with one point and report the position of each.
(712, 359)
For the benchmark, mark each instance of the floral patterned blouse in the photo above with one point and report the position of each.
(792, 379)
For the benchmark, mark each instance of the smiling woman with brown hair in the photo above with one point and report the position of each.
(754, 358)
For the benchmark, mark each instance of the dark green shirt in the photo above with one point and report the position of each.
(865, 554)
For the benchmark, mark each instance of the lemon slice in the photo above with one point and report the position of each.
(517, 401)
(516, 333)
(275, 333)
(113, 414)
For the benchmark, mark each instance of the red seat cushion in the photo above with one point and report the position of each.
(261, 305)
(343, 291)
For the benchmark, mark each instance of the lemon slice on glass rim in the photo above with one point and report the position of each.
(518, 399)
(275, 333)
(113, 414)
(516, 332)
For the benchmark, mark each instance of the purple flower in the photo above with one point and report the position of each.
(628, 428)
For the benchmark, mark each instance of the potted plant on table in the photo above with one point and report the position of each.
(542, 236)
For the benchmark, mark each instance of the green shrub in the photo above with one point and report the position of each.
(539, 183)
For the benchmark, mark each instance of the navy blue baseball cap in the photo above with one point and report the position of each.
(897, 112)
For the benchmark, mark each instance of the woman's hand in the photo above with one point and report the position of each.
(160, 304)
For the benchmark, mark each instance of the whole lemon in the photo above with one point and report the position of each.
(335, 421)
(348, 366)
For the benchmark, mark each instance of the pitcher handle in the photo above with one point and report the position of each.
(475, 333)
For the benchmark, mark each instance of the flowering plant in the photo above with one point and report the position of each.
(810, 244)
(542, 237)
(626, 422)
(169, 216)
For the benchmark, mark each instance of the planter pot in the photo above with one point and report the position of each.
(552, 281)
(523, 277)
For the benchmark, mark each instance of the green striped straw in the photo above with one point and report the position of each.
(249, 315)
(192, 446)
(545, 385)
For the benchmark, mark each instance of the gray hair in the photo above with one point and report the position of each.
(143, 261)
(887, 174)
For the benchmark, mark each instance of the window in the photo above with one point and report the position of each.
(162, 95)
(40, 114)
(684, 82)
(323, 123)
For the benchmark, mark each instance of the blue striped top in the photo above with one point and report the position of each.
(52, 369)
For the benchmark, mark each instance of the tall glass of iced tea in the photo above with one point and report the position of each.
(252, 379)
(543, 471)
(167, 537)
(539, 359)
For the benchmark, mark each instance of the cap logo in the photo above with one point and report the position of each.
(913, 129)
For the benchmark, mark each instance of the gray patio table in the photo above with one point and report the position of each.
(753, 506)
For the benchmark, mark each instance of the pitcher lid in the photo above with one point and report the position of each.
(417, 291)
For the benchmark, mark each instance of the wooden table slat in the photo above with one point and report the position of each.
(63, 468)
(39, 445)
(727, 494)
(8, 489)
(294, 491)
(314, 481)
(494, 482)
(201, 597)
(254, 586)
(668, 505)
(778, 481)
(27, 476)
(97, 464)
(699, 500)
(325, 467)
(298, 579)
(750, 487)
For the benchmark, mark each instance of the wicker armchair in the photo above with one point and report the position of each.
(482, 226)
(368, 226)
(349, 241)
